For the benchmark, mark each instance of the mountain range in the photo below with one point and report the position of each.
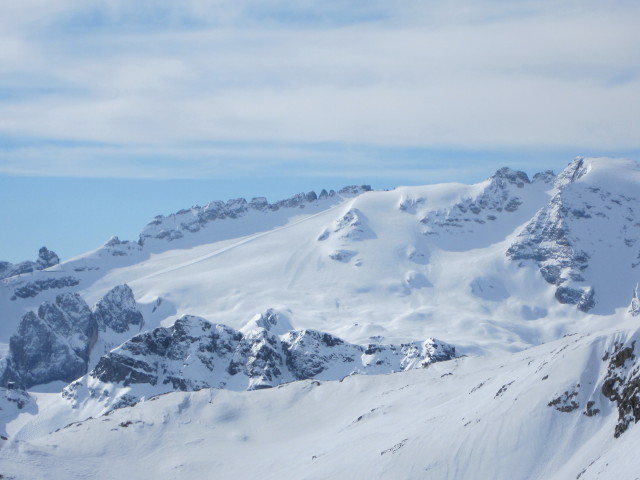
(438, 331)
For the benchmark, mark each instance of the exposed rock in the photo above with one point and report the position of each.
(118, 311)
(566, 402)
(56, 343)
(634, 306)
(121, 248)
(561, 240)
(38, 354)
(589, 410)
(622, 383)
(32, 289)
(545, 241)
(343, 256)
(194, 219)
(500, 195)
(194, 354)
(112, 242)
(354, 189)
(582, 298)
(574, 171)
(353, 225)
(546, 177)
(46, 259)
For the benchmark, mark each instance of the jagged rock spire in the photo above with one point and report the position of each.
(634, 307)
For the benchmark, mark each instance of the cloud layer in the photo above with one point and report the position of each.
(106, 88)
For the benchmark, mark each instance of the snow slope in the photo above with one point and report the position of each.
(534, 281)
(537, 414)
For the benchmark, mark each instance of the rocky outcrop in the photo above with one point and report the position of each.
(194, 354)
(577, 169)
(33, 288)
(121, 248)
(353, 190)
(192, 220)
(52, 345)
(118, 311)
(577, 222)
(583, 298)
(55, 344)
(502, 194)
(634, 306)
(353, 225)
(622, 383)
(46, 259)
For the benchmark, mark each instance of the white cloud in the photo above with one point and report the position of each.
(150, 76)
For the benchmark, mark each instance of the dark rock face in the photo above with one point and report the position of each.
(118, 311)
(582, 298)
(39, 355)
(566, 402)
(634, 306)
(194, 219)
(622, 383)
(194, 354)
(32, 289)
(56, 343)
(51, 345)
(46, 259)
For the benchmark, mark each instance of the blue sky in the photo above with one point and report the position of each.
(114, 111)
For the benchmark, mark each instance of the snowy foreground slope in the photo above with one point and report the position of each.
(493, 327)
(537, 414)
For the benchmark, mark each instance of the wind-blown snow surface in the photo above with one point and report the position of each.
(537, 414)
(502, 270)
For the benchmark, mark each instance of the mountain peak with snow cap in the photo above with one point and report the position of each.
(578, 168)
(274, 321)
(516, 177)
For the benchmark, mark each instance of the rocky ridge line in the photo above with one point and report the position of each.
(502, 194)
(194, 354)
(194, 219)
(46, 259)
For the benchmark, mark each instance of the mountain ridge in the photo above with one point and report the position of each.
(531, 282)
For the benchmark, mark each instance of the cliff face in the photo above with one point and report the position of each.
(55, 344)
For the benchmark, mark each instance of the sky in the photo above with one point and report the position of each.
(113, 111)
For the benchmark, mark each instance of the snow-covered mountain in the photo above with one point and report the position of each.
(529, 285)
(194, 354)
